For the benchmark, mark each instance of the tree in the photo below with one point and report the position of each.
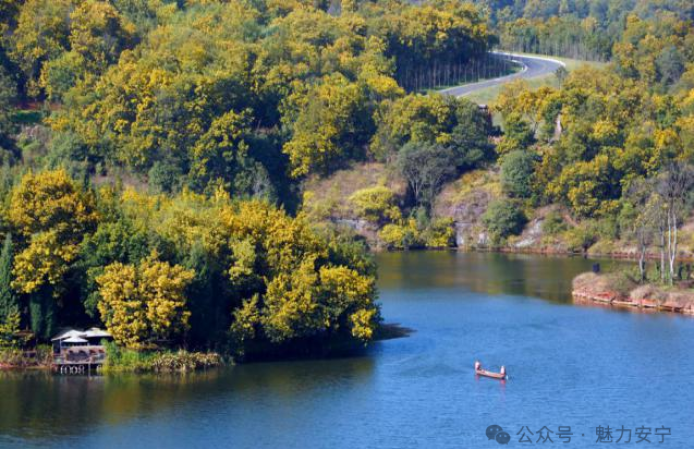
(517, 172)
(673, 186)
(121, 306)
(503, 218)
(305, 288)
(52, 214)
(144, 304)
(8, 299)
(587, 187)
(163, 288)
(414, 118)
(98, 35)
(470, 135)
(113, 241)
(561, 73)
(8, 95)
(435, 119)
(312, 299)
(43, 313)
(518, 134)
(643, 212)
(42, 34)
(44, 262)
(332, 126)
(670, 64)
(9, 327)
(219, 153)
(432, 43)
(426, 168)
(51, 201)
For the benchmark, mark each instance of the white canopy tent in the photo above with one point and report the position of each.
(95, 332)
(75, 340)
(67, 334)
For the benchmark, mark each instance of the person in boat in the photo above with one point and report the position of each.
(503, 371)
(478, 365)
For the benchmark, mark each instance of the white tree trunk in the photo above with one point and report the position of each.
(672, 245)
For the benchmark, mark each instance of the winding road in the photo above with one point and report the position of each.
(533, 66)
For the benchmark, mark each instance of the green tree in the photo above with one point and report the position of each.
(504, 218)
(670, 64)
(220, 152)
(8, 95)
(8, 298)
(517, 172)
(426, 168)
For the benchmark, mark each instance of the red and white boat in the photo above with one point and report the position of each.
(501, 375)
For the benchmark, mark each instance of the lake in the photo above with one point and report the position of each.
(582, 367)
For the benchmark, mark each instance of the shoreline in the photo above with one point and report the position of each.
(616, 255)
(172, 365)
(608, 290)
(621, 255)
(609, 300)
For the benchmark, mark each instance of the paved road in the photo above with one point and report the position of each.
(533, 66)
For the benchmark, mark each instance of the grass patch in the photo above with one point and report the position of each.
(120, 360)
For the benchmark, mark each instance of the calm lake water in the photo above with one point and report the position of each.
(569, 366)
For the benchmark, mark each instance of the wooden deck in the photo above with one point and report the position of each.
(79, 359)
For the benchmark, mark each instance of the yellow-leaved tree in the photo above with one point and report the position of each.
(45, 261)
(296, 285)
(144, 304)
(51, 213)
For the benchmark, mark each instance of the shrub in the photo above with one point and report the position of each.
(123, 360)
(554, 224)
(504, 218)
(440, 234)
(40, 356)
(375, 204)
(183, 361)
(582, 237)
(400, 236)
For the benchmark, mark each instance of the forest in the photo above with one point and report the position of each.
(581, 29)
(156, 154)
(153, 154)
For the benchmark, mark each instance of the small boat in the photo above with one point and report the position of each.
(501, 375)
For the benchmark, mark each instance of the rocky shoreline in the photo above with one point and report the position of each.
(608, 291)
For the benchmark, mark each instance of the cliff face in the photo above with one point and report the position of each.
(461, 205)
(465, 201)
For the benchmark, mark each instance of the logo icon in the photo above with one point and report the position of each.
(495, 432)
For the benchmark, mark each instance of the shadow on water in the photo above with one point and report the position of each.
(545, 277)
(390, 331)
(40, 406)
